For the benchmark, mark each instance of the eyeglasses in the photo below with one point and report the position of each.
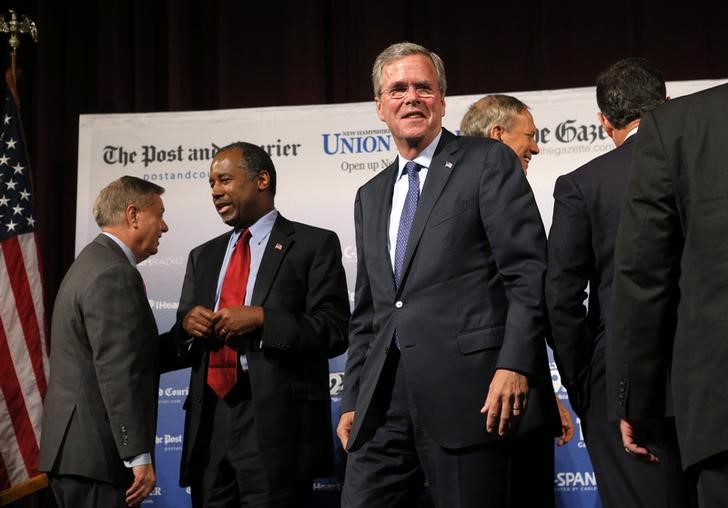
(399, 91)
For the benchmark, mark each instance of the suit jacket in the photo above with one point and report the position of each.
(671, 274)
(587, 205)
(470, 298)
(101, 405)
(302, 287)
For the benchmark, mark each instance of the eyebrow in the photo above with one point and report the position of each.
(422, 82)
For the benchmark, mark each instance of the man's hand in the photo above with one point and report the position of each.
(199, 322)
(506, 400)
(239, 320)
(636, 434)
(144, 480)
(343, 429)
(567, 425)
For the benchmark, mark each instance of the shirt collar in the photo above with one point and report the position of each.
(632, 132)
(424, 158)
(127, 251)
(260, 230)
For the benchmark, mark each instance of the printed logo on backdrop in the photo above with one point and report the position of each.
(157, 264)
(360, 150)
(348, 254)
(150, 157)
(559, 389)
(163, 261)
(172, 394)
(163, 305)
(169, 442)
(575, 481)
(578, 138)
(336, 384)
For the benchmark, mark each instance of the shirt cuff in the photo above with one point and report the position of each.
(139, 460)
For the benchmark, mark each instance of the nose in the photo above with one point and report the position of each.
(216, 189)
(165, 228)
(534, 147)
(411, 94)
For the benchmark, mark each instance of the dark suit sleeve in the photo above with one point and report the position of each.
(645, 293)
(180, 350)
(322, 327)
(361, 332)
(123, 336)
(516, 235)
(570, 258)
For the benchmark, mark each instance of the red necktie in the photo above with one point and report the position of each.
(222, 371)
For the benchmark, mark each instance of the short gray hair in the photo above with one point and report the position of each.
(401, 50)
(113, 200)
(490, 111)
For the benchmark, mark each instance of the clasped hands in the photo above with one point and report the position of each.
(225, 324)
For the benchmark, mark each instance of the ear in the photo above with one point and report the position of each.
(496, 132)
(608, 127)
(132, 216)
(378, 102)
(263, 180)
(442, 99)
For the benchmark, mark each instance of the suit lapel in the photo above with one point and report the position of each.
(209, 291)
(386, 189)
(282, 237)
(445, 159)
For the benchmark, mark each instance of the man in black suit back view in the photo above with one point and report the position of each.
(671, 289)
(581, 253)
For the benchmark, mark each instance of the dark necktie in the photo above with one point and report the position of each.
(222, 371)
(407, 217)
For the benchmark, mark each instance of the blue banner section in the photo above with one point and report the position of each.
(574, 483)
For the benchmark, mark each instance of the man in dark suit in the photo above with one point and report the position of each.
(507, 119)
(581, 253)
(100, 413)
(671, 271)
(262, 439)
(447, 375)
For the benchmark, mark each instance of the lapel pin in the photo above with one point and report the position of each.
(448, 165)
(278, 247)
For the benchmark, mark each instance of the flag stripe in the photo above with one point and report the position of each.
(4, 480)
(21, 356)
(31, 254)
(12, 465)
(19, 421)
(25, 306)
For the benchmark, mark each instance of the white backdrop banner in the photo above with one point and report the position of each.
(322, 155)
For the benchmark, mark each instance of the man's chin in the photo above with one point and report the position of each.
(228, 219)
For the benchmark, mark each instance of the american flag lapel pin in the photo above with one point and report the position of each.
(278, 247)
(448, 165)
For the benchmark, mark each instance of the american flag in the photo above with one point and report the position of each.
(23, 330)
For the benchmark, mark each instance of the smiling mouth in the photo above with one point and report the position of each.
(414, 114)
(222, 207)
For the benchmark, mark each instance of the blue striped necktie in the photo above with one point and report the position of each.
(407, 217)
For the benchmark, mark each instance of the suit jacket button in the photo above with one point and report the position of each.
(398, 304)
(386, 349)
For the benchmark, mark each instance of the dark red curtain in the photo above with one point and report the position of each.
(125, 56)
